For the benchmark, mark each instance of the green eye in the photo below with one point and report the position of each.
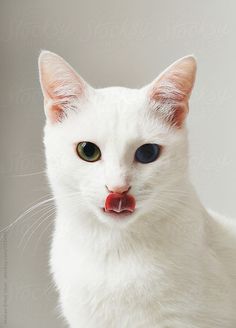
(88, 151)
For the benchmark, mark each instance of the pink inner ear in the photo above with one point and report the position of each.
(179, 115)
(61, 86)
(62, 95)
(163, 92)
(51, 90)
(65, 90)
(171, 100)
(55, 113)
(172, 104)
(172, 90)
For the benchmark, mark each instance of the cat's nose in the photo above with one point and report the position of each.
(119, 189)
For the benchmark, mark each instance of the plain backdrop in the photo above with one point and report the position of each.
(124, 43)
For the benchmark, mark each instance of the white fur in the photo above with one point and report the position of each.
(171, 264)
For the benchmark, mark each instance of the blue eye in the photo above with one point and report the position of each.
(147, 153)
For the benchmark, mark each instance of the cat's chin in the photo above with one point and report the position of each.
(118, 215)
(113, 218)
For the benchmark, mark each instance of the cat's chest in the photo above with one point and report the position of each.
(112, 286)
(111, 272)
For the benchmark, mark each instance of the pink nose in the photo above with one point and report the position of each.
(118, 189)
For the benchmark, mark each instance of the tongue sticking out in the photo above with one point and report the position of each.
(118, 203)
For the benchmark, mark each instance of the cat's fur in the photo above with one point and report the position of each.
(171, 264)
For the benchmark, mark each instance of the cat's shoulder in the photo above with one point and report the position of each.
(216, 219)
(221, 237)
(221, 232)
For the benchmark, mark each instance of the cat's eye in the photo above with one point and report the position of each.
(88, 151)
(147, 153)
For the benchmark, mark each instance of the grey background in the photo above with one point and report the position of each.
(110, 43)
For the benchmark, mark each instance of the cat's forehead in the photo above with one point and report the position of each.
(117, 91)
(114, 115)
(119, 97)
(116, 110)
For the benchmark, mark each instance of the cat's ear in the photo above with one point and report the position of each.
(170, 92)
(62, 87)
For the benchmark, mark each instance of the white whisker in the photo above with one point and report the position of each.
(35, 206)
(26, 174)
(33, 224)
(33, 232)
(41, 235)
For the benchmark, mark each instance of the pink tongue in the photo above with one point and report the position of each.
(119, 202)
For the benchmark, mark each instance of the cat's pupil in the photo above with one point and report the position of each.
(147, 153)
(89, 149)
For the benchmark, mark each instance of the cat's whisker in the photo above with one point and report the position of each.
(34, 231)
(27, 174)
(33, 224)
(73, 211)
(41, 235)
(51, 212)
(36, 212)
(25, 213)
(175, 192)
(35, 206)
(50, 287)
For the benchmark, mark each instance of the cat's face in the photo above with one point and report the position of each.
(114, 124)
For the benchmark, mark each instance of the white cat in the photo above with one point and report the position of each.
(132, 246)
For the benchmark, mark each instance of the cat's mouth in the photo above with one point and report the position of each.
(119, 205)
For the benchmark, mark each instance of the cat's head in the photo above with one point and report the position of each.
(121, 140)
